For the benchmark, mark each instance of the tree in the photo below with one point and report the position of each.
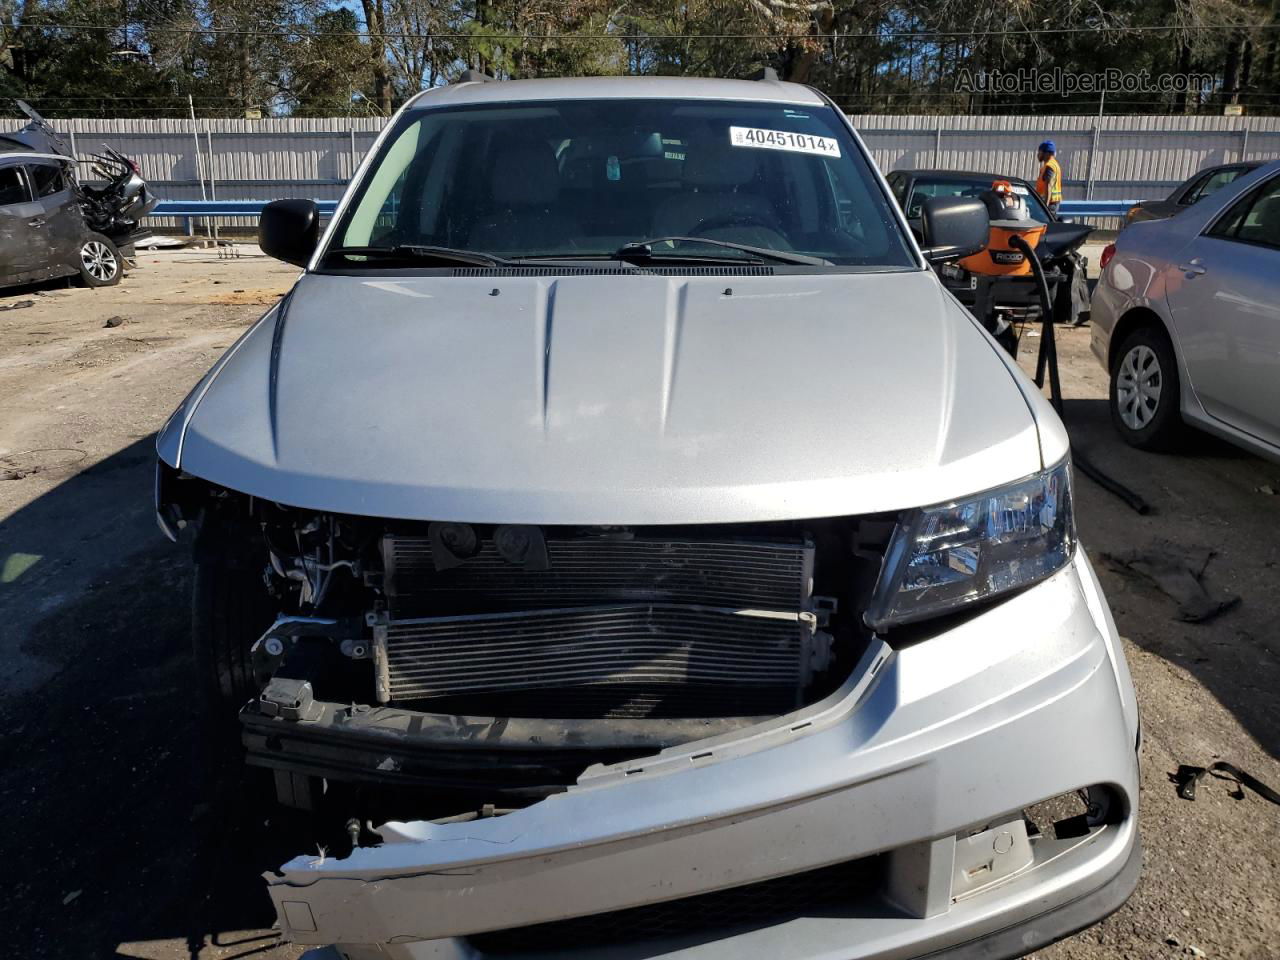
(144, 57)
(329, 74)
(375, 19)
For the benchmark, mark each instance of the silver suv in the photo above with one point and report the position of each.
(620, 528)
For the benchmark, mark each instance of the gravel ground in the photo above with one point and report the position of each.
(125, 837)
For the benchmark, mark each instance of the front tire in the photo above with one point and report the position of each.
(1145, 395)
(99, 261)
(230, 610)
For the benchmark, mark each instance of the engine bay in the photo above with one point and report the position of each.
(492, 664)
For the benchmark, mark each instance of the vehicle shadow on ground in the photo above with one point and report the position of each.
(17, 292)
(1208, 505)
(126, 826)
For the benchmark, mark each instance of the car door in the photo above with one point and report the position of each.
(20, 218)
(1224, 295)
(63, 229)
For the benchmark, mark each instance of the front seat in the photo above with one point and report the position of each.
(717, 179)
(524, 215)
(1266, 225)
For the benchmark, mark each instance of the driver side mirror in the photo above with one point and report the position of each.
(289, 230)
(953, 228)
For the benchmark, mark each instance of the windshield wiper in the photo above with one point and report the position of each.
(643, 250)
(418, 251)
(569, 260)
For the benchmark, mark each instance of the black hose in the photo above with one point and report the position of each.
(1047, 362)
(1086, 466)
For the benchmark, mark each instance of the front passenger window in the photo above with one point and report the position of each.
(919, 195)
(1213, 184)
(1254, 218)
(13, 189)
(1193, 192)
(1262, 222)
(46, 179)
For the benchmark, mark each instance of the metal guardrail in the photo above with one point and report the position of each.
(224, 208)
(1095, 208)
(253, 208)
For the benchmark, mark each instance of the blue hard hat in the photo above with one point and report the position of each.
(1048, 147)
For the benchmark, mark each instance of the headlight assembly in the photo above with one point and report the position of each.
(946, 557)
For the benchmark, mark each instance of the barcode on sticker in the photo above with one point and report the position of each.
(784, 140)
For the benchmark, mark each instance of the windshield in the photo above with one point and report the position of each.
(582, 179)
(923, 189)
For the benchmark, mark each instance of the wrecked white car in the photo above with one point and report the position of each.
(623, 531)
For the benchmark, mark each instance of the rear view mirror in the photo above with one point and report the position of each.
(953, 228)
(289, 230)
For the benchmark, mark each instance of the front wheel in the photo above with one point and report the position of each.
(230, 610)
(99, 262)
(1145, 396)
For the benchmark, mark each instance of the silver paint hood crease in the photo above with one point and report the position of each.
(610, 400)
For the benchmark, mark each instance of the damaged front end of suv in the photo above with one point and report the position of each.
(627, 544)
(480, 666)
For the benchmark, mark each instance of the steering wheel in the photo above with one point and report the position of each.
(720, 221)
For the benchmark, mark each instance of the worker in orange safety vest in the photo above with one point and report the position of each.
(1049, 183)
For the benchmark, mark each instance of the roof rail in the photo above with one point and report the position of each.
(767, 74)
(475, 76)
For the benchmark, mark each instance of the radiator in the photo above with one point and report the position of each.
(679, 627)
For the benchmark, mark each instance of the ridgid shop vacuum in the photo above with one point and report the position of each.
(1005, 263)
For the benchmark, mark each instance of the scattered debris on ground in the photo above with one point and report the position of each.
(113, 321)
(19, 466)
(1178, 576)
(1188, 776)
(245, 296)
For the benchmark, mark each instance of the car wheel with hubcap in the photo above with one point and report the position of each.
(1145, 393)
(99, 262)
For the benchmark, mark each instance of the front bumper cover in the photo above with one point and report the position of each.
(1026, 701)
(1015, 941)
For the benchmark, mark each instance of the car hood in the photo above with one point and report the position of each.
(610, 399)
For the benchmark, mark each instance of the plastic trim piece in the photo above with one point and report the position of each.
(1038, 932)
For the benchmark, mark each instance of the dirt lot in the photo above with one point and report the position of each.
(125, 838)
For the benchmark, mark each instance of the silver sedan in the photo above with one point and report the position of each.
(1186, 319)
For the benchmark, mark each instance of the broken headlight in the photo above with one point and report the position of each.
(945, 557)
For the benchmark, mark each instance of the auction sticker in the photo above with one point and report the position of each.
(784, 140)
